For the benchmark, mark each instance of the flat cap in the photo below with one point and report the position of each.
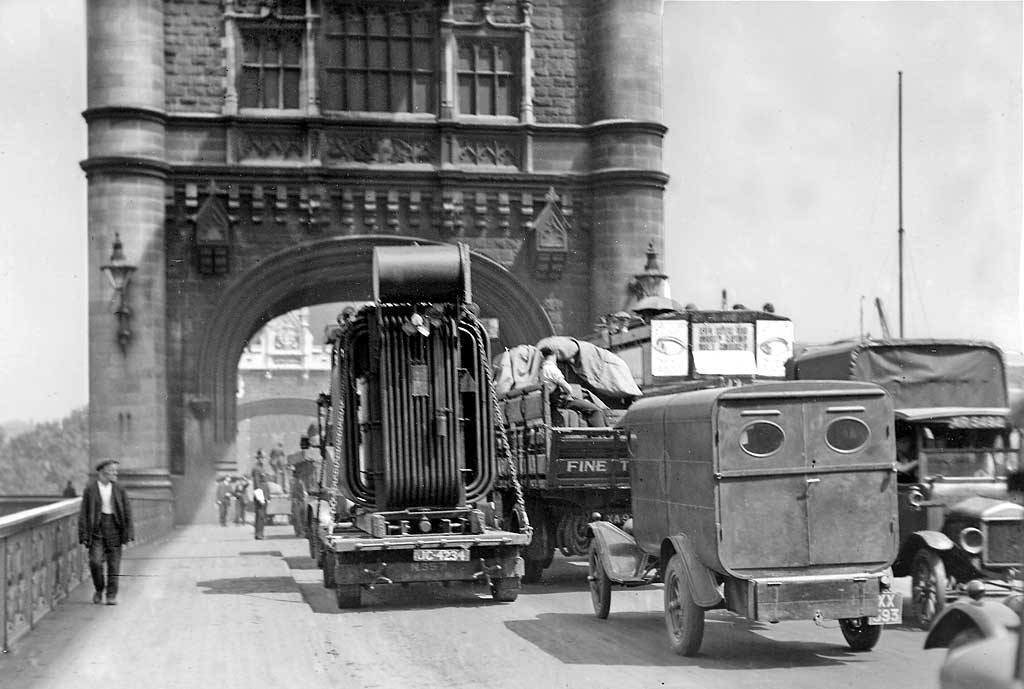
(105, 463)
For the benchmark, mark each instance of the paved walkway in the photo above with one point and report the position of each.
(206, 606)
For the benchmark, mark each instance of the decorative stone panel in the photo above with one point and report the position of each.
(342, 148)
(492, 150)
(271, 146)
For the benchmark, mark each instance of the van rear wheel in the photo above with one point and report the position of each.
(600, 584)
(684, 619)
(860, 635)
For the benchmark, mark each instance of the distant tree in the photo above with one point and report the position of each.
(42, 460)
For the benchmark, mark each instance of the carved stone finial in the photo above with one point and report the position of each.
(653, 266)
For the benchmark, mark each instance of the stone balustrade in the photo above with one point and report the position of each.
(41, 560)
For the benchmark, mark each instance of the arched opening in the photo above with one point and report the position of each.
(332, 270)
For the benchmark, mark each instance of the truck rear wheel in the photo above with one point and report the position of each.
(349, 595)
(505, 590)
(600, 584)
(860, 635)
(314, 552)
(684, 619)
(534, 570)
(538, 555)
(927, 586)
(328, 568)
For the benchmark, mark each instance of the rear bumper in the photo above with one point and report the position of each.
(813, 597)
(359, 558)
(349, 539)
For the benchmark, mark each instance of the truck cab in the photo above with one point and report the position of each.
(955, 446)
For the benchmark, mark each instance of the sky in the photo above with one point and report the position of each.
(781, 151)
(44, 304)
(783, 156)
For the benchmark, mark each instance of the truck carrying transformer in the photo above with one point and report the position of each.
(409, 451)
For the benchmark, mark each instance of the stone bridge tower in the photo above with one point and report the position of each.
(250, 153)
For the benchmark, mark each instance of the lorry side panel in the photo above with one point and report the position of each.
(644, 423)
(689, 483)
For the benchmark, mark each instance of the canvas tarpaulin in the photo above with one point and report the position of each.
(917, 374)
(598, 369)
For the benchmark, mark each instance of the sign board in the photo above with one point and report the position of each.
(670, 348)
(725, 349)
(774, 347)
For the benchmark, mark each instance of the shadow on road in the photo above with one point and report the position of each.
(301, 562)
(419, 596)
(248, 585)
(638, 638)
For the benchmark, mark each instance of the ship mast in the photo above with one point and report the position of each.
(899, 165)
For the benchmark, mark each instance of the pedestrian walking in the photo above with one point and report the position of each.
(104, 526)
(279, 466)
(239, 488)
(69, 490)
(224, 494)
(259, 506)
(260, 493)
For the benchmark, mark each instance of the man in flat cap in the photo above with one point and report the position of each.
(104, 525)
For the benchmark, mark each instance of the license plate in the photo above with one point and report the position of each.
(437, 555)
(890, 609)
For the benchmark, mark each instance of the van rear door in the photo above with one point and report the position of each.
(852, 498)
(806, 480)
(762, 484)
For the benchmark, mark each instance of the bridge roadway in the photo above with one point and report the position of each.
(209, 606)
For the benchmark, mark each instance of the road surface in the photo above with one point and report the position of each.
(211, 607)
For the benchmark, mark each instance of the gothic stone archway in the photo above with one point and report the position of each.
(319, 271)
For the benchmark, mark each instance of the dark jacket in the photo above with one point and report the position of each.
(92, 506)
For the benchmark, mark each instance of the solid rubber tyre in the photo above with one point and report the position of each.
(600, 584)
(928, 587)
(859, 635)
(348, 595)
(328, 569)
(684, 619)
(534, 570)
(505, 590)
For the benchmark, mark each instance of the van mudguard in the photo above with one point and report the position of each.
(623, 560)
(703, 585)
(989, 618)
(930, 540)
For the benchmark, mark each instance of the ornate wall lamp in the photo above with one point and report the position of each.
(119, 272)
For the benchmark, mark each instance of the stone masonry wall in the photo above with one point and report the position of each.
(558, 59)
(195, 57)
